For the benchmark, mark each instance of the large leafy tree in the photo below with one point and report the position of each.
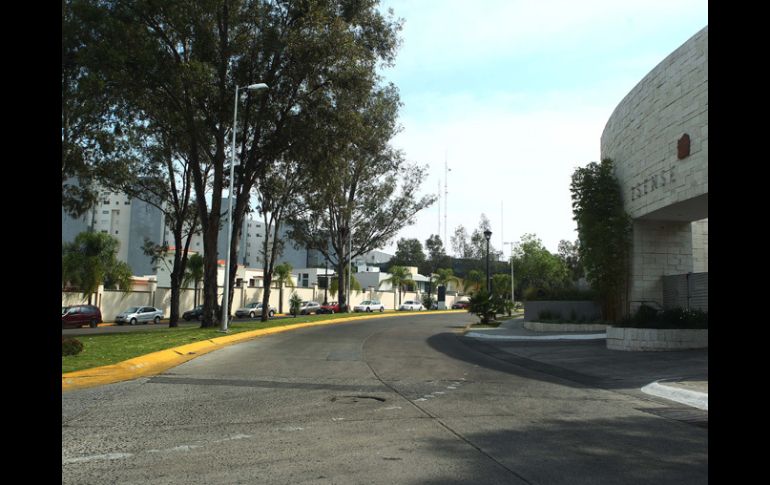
(604, 230)
(176, 64)
(366, 191)
(194, 274)
(536, 267)
(408, 253)
(91, 260)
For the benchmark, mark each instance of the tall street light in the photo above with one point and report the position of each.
(487, 236)
(513, 302)
(226, 297)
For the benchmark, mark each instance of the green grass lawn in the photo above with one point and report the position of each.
(99, 350)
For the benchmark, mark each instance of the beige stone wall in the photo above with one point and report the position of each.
(642, 134)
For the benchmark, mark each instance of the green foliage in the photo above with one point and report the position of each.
(70, 346)
(604, 231)
(295, 302)
(428, 301)
(473, 281)
(648, 317)
(401, 278)
(536, 267)
(559, 294)
(91, 260)
(408, 253)
(334, 284)
(486, 306)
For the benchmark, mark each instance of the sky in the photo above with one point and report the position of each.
(513, 96)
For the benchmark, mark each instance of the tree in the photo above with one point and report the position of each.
(473, 281)
(194, 274)
(283, 278)
(437, 257)
(175, 64)
(604, 230)
(334, 285)
(443, 277)
(408, 253)
(570, 255)
(478, 243)
(536, 267)
(400, 277)
(363, 205)
(460, 244)
(91, 260)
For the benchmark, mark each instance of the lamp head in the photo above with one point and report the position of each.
(487, 234)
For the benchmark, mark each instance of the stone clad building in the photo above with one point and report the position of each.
(657, 138)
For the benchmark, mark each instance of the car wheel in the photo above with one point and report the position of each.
(92, 323)
(382, 309)
(369, 310)
(271, 314)
(133, 321)
(157, 320)
(251, 314)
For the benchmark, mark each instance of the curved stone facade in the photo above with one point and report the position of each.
(657, 138)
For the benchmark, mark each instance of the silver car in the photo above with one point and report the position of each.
(253, 309)
(309, 307)
(139, 314)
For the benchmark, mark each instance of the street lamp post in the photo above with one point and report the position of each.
(226, 296)
(487, 236)
(513, 302)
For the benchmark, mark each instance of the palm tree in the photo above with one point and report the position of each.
(445, 276)
(91, 260)
(473, 281)
(194, 273)
(334, 285)
(400, 277)
(282, 276)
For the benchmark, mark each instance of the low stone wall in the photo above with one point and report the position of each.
(564, 327)
(656, 339)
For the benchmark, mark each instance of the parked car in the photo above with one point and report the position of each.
(253, 310)
(411, 305)
(76, 316)
(331, 307)
(309, 307)
(194, 314)
(139, 314)
(369, 306)
(461, 305)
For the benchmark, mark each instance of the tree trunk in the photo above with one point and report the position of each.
(211, 311)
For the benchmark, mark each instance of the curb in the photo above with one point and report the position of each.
(157, 362)
(595, 336)
(694, 399)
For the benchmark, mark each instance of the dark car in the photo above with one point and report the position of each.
(331, 307)
(194, 314)
(78, 315)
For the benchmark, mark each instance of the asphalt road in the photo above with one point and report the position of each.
(384, 401)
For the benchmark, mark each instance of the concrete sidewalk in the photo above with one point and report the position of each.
(688, 385)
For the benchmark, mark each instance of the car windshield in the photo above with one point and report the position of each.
(133, 309)
(64, 309)
(367, 302)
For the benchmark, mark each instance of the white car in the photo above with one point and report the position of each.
(411, 305)
(252, 310)
(139, 314)
(369, 306)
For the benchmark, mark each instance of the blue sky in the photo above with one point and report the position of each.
(515, 95)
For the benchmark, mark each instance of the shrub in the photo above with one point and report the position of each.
(648, 317)
(427, 301)
(295, 303)
(70, 346)
(486, 306)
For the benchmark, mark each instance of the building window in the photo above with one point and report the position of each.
(105, 231)
(116, 232)
(105, 212)
(305, 280)
(128, 202)
(106, 202)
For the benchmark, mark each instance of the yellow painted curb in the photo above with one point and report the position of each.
(157, 362)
